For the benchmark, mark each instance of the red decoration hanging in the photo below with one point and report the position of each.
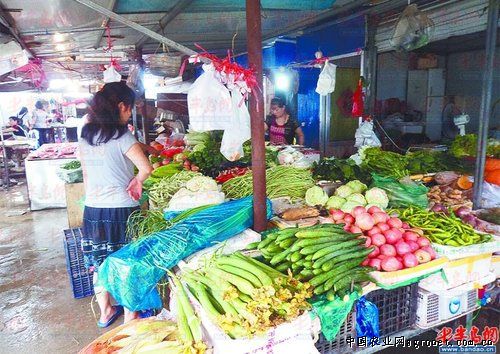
(357, 101)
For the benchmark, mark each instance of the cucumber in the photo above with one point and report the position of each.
(273, 248)
(242, 273)
(283, 267)
(285, 244)
(362, 254)
(296, 256)
(280, 257)
(317, 271)
(304, 242)
(325, 276)
(346, 244)
(253, 245)
(320, 261)
(309, 257)
(320, 289)
(318, 233)
(306, 273)
(308, 265)
(267, 241)
(346, 275)
(313, 249)
(330, 295)
(286, 233)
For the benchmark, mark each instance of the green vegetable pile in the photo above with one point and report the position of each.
(344, 170)
(73, 165)
(207, 155)
(326, 256)
(467, 146)
(281, 181)
(443, 229)
(428, 161)
(246, 297)
(271, 155)
(384, 163)
(161, 172)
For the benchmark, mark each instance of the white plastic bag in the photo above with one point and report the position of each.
(238, 130)
(326, 79)
(413, 30)
(365, 136)
(111, 75)
(491, 195)
(209, 103)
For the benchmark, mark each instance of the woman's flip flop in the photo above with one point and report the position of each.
(118, 313)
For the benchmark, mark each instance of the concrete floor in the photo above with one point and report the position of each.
(38, 313)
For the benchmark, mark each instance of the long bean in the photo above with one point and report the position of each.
(161, 193)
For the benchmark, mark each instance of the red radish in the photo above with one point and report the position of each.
(364, 221)
(383, 226)
(379, 217)
(348, 218)
(375, 263)
(422, 242)
(392, 236)
(374, 253)
(405, 226)
(381, 256)
(374, 230)
(347, 227)
(409, 260)
(374, 209)
(337, 214)
(355, 230)
(431, 251)
(410, 236)
(413, 245)
(422, 256)
(402, 248)
(395, 222)
(358, 210)
(368, 241)
(390, 264)
(365, 262)
(378, 239)
(400, 259)
(388, 250)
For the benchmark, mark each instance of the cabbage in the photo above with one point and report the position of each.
(377, 196)
(201, 184)
(344, 191)
(335, 202)
(357, 197)
(349, 205)
(316, 196)
(357, 186)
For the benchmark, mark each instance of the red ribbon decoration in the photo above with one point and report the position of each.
(357, 101)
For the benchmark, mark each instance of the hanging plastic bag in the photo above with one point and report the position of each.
(402, 193)
(326, 79)
(131, 274)
(111, 75)
(413, 29)
(357, 100)
(209, 103)
(365, 135)
(239, 130)
(367, 324)
(135, 79)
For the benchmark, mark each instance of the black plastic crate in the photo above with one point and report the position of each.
(340, 344)
(80, 278)
(397, 308)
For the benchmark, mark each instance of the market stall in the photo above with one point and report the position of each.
(45, 188)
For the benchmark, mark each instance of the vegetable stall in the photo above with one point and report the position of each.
(343, 235)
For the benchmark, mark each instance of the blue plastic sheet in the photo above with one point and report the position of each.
(132, 273)
(367, 324)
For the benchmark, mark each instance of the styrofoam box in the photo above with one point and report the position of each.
(466, 270)
(495, 265)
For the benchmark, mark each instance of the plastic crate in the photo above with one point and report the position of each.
(80, 278)
(397, 308)
(340, 344)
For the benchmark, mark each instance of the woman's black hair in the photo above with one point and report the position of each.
(104, 115)
(39, 104)
(278, 101)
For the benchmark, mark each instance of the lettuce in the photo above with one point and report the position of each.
(344, 191)
(335, 202)
(357, 197)
(316, 196)
(377, 196)
(357, 186)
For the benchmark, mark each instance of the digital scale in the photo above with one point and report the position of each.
(460, 121)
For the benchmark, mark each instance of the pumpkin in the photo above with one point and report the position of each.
(493, 177)
(492, 164)
(464, 183)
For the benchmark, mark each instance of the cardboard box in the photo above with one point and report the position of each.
(75, 194)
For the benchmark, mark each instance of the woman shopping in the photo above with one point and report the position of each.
(39, 123)
(108, 153)
(281, 127)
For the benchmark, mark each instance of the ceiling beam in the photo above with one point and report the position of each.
(180, 6)
(137, 27)
(105, 23)
(10, 24)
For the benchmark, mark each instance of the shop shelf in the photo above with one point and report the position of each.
(340, 344)
(397, 308)
(80, 278)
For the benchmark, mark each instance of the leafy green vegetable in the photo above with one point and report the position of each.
(384, 163)
(343, 191)
(377, 196)
(467, 146)
(357, 186)
(72, 165)
(357, 197)
(343, 170)
(335, 202)
(316, 196)
(427, 161)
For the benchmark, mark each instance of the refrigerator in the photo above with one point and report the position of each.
(425, 93)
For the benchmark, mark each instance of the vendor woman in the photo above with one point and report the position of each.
(282, 128)
(108, 153)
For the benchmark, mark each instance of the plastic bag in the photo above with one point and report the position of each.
(403, 193)
(332, 314)
(131, 274)
(326, 79)
(238, 131)
(365, 136)
(135, 79)
(357, 101)
(367, 324)
(413, 29)
(491, 195)
(111, 75)
(209, 103)
(70, 176)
